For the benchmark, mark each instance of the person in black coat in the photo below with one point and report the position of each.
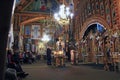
(49, 56)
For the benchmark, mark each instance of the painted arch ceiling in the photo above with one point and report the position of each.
(32, 8)
(37, 11)
(36, 5)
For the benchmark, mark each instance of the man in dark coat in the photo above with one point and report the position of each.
(49, 56)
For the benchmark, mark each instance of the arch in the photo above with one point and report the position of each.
(93, 20)
(33, 19)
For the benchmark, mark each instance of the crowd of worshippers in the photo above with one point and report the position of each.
(14, 61)
(28, 57)
(13, 64)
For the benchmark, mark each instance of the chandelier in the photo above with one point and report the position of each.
(64, 15)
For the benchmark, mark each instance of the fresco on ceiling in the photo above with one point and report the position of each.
(42, 6)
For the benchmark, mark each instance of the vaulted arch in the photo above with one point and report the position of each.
(33, 19)
(93, 20)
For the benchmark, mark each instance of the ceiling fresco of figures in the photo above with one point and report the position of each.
(39, 6)
(32, 12)
(36, 7)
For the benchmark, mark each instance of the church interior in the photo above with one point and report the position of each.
(75, 31)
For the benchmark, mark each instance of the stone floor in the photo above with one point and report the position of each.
(41, 71)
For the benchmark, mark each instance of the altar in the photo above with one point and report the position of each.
(59, 59)
(59, 54)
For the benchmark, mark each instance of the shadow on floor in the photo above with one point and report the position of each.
(94, 65)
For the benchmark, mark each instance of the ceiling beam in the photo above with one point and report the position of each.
(33, 19)
(32, 14)
(27, 5)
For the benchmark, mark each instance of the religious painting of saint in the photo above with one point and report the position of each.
(35, 34)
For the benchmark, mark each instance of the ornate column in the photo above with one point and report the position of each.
(21, 38)
(117, 8)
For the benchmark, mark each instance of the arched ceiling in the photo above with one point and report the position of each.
(45, 8)
(36, 11)
(42, 8)
(36, 5)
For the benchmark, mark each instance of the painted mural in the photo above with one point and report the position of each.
(35, 32)
(42, 6)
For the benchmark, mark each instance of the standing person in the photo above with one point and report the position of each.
(49, 56)
(72, 56)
